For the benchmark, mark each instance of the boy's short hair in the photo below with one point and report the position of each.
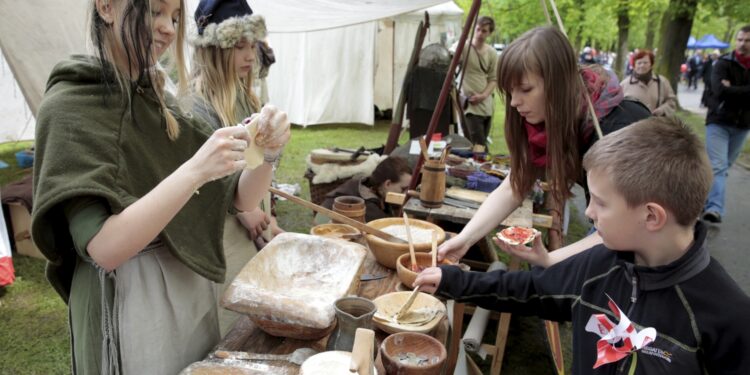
(485, 20)
(656, 160)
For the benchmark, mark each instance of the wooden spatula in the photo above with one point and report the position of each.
(414, 266)
(405, 308)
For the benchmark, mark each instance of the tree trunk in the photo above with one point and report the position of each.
(651, 25)
(729, 35)
(623, 26)
(675, 30)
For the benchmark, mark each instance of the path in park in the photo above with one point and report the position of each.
(728, 241)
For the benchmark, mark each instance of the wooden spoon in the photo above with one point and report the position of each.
(434, 249)
(414, 266)
(405, 308)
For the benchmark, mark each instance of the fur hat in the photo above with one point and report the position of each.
(223, 23)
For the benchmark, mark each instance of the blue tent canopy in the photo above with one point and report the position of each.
(710, 41)
(691, 42)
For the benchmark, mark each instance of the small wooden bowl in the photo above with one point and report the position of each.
(337, 231)
(409, 342)
(403, 269)
(386, 252)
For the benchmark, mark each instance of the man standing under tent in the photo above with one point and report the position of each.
(728, 119)
(479, 82)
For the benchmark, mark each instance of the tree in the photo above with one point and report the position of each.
(623, 25)
(675, 30)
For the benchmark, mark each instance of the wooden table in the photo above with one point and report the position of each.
(246, 336)
(523, 217)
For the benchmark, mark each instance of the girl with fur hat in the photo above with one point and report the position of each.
(548, 131)
(224, 60)
(130, 195)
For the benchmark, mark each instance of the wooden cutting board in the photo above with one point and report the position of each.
(466, 194)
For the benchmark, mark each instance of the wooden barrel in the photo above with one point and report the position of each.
(432, 192)
(350, 206)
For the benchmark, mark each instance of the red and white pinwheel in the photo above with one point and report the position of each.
(617, 341)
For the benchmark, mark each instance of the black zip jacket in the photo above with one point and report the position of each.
(729, 105)
(699, 312)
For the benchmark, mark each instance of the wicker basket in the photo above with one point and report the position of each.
(318, 191)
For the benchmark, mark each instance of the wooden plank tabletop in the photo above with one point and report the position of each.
(246, 336)
(521, 217)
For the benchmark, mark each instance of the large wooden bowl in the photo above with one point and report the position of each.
(389, 304)
(409, 342)
(289, 288)
(403, 266)
(386, 252)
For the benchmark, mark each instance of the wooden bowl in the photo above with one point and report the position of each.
(403, 266)
(337, 231)
(389, 304)
(428, 348)
(289, 288)
(386, 252)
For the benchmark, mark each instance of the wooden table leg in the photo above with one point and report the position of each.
(502, 328)
(456, 331)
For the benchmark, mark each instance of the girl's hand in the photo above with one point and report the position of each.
(273, 131)
(222, 154)
(454, 249)
(255, 221)
(537, 254)
(429, 279)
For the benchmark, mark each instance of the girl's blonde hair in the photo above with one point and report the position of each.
(547, 52)
(217, 82)
(134, 41)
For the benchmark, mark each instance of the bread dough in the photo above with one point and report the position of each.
(253, 152)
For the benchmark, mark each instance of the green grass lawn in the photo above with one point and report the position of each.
(33, 320)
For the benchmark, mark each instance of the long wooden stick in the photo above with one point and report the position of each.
(337, 216)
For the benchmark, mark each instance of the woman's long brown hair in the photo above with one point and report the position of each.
(544, 51)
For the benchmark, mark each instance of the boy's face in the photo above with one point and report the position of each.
(618, 225)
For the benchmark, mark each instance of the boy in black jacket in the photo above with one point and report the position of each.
(648, 183)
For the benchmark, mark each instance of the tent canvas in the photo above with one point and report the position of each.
(337, 59)
(691, 42)
(33, 38)
(710, 41)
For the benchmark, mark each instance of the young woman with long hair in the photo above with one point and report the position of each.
(548, 129)
(130, 195)
(224, 59)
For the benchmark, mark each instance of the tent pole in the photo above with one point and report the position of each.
(447, 84)
(398, 112)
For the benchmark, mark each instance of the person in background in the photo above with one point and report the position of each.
(695, 68)
(708, 63)
(479, 82)
(650, 89)
(391, 175)
(548, 129)
(728, 118)
(648, 182)
(131, 192)
(224, 64)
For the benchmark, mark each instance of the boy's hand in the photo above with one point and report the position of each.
(537, 254)
(429, 279)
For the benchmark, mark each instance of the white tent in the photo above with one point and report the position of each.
(16, 120)
(352, 57)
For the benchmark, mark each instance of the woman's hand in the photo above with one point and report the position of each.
(428, 280)
(255, 221)
(273, 131)
(454, 249)
(221, 155)
(537, 254)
